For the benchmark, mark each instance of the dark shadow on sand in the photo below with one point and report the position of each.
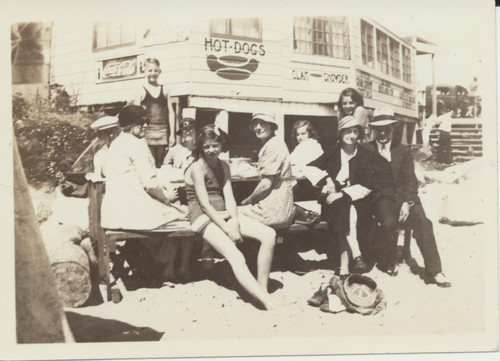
(95, 329)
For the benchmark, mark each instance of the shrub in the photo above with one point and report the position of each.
(20, 107)
(49, 145)
(60, 100)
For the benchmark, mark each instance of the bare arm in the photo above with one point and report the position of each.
(261, 191)
(231, 205)
(139, 95)
(171, 117)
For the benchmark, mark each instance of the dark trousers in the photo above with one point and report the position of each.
(159, 152)
(424, 235)
(444, 150)
(385, 241)
(337, 216)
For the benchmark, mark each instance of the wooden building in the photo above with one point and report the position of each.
(227, 69)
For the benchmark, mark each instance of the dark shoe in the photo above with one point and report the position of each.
(344, 276)
(359, 265)
(441, 281)
(325, 306)
(318, 297)
(391, 270)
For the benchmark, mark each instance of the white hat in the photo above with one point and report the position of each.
(383, 116)
(104, 123)
(269, 118)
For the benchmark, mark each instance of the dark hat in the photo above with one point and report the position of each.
(187, 124)
(360, 290)
(383, 116)
(132, 114)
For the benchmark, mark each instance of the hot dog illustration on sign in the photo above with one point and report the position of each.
(233, 67)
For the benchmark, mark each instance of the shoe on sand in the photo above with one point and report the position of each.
(441, 280)
(360, 265)
(318, 297)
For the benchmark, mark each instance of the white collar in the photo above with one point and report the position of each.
(387, 145)
(348, 156)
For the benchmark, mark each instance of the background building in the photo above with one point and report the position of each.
(226, 69)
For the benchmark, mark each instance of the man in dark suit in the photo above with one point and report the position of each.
(399, 203)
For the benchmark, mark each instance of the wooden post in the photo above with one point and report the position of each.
(96, 190)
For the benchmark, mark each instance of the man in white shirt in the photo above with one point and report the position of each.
(107, 130)
(444, 151)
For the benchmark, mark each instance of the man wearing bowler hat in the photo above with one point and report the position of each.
(403, 205)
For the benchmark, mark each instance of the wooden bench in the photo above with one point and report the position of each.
(106, 238)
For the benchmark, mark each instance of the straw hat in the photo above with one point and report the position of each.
(383, 116)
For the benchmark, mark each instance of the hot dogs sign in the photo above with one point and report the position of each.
(233, 59)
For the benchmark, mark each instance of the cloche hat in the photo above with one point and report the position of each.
(269, 118)
(348, 121)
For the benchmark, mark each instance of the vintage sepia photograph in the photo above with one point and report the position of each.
(227, 179)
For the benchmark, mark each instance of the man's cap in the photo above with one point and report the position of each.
(187, 124)
(269, 118)
(104, 123)
(132, 114)
(383, 116)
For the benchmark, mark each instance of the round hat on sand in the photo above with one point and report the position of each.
(360, 290)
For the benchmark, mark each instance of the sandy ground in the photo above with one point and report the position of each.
(214, 307)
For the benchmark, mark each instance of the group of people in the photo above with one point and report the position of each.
(358, 181)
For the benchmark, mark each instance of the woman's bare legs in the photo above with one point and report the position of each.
(267, 238)
(223, 244)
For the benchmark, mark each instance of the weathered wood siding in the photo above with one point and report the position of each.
(192, 64)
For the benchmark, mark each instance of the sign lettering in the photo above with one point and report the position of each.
(234, 46)
(325, 77)
(119, 68)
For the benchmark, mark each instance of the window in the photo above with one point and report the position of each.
(113, 34)
(382, 52)
(243, 28)
(326, 36)
(395, 61)
(406, 64)
(367, 43)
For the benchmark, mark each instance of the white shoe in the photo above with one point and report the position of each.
(441, 280)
